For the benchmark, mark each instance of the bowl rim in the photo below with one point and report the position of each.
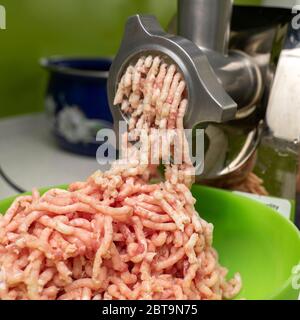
(48, 63)
(288, 282)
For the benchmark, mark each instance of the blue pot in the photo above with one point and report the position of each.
(76, 101)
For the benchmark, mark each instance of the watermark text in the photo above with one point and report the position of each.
(2, 18)
(296, 18)
(151, 147)
(296, 278)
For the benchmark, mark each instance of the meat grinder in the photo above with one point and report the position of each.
(235, 61)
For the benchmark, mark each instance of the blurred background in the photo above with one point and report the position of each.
(38, 28)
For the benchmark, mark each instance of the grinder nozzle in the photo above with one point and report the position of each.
(208, 100)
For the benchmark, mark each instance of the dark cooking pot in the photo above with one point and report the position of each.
(76, 101)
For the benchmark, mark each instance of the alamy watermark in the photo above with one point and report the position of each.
(151, 147)
(296, 18)
(296, 278)
(2, 18)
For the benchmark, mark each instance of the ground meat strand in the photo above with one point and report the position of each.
(115, 236)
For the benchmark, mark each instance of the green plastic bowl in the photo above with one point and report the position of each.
(254, 240)
(250, 238)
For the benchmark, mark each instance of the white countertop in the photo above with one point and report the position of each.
(30, 157)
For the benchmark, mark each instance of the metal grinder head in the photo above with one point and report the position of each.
(207, 99)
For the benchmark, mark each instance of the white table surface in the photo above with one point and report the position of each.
(30, 157)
